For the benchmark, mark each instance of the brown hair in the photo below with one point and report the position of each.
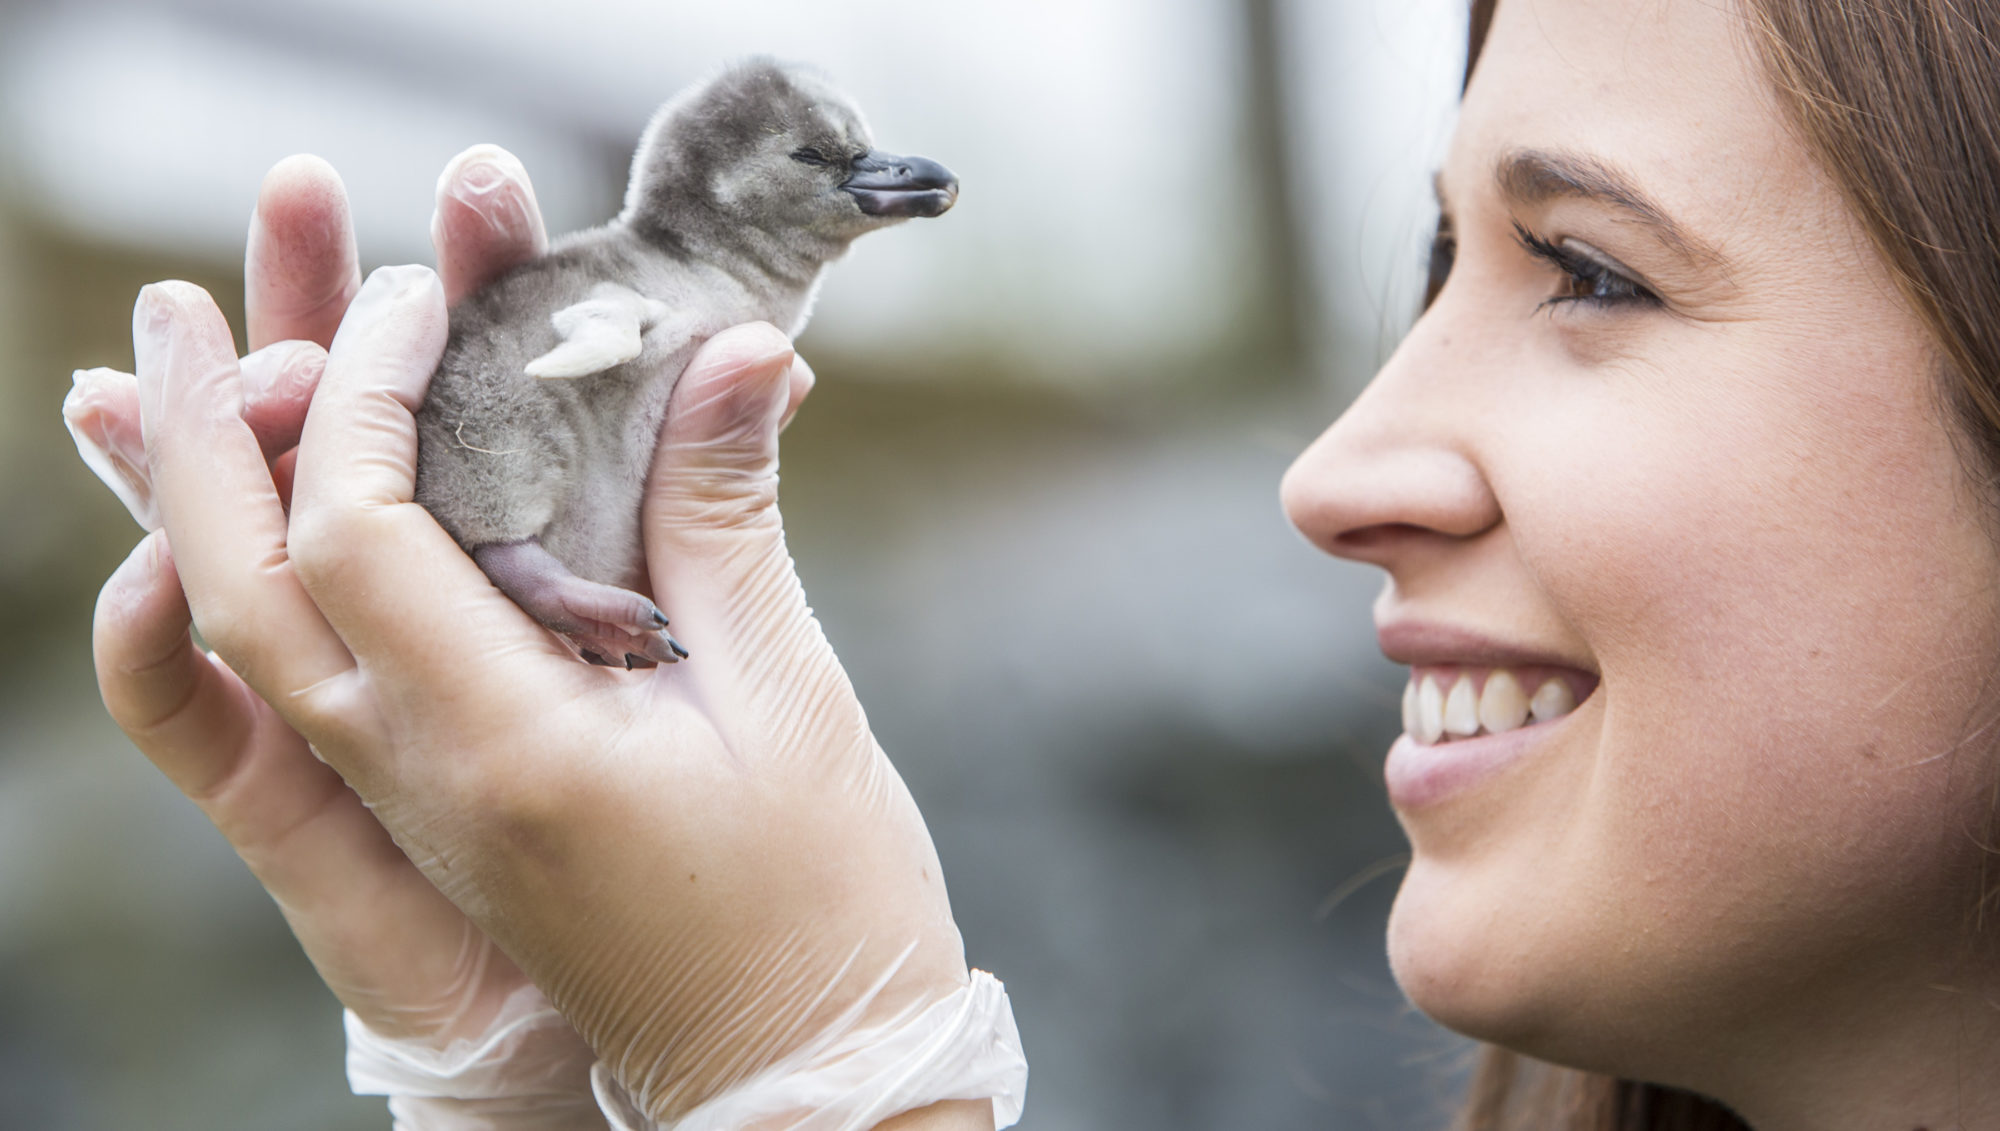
(1898, 101)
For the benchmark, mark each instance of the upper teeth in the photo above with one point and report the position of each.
(1440, 706)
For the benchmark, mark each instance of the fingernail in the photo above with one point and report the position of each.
(478, 171)
(152, 316)
(494, 185)
(753, 345)
(82, 384)
(480, 177)
(408, 280)
(87, 391)
(281, 363)
(385, 289)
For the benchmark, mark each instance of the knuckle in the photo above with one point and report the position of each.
(228, 628)
(319, 541)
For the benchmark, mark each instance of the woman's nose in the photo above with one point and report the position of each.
(1395, 472)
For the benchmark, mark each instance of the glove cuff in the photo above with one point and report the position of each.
(963, 1047)
(528, 1070)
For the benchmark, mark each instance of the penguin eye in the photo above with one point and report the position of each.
(810, 156)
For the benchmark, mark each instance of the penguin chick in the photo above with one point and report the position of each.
(536, 435)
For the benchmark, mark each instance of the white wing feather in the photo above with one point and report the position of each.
(603, 331)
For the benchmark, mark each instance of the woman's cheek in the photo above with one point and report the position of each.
(1758, 581)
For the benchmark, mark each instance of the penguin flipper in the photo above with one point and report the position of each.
(599, 333)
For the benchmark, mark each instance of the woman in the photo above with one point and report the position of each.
(1682, 485)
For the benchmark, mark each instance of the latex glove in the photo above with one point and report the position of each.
(711, 868)
(407, 963)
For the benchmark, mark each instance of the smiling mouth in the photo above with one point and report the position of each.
(1449, 702)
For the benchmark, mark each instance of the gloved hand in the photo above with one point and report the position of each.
(458, 1035)
(711, 868)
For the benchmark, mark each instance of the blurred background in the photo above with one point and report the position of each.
(1034, 499)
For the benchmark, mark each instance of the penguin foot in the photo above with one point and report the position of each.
(606, 625)
(610, 647)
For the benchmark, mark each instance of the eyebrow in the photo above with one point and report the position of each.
(1534, 176)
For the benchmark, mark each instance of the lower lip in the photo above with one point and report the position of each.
(1420, 776)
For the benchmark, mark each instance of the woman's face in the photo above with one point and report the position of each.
(1669, 439)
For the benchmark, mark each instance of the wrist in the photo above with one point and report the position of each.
(518, 1113)
(951, 1115)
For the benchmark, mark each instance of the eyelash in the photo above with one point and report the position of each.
(1589, 280)
(1438, 259)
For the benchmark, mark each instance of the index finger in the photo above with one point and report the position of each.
(217, 499)
(301, 267)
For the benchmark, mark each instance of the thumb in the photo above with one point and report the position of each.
(715, 545)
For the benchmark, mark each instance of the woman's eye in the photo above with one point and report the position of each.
(1585, 278)
(1437, 262)
(810, 156)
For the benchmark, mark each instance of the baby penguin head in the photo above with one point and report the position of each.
(773, 147)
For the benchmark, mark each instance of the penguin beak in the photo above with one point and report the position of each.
(884, 184)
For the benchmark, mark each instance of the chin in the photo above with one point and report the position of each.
(1448, 962)
(1525, 969)
(1482, 967)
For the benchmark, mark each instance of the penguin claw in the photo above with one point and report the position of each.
(607, 625)
(658, 647)
(608, 646)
